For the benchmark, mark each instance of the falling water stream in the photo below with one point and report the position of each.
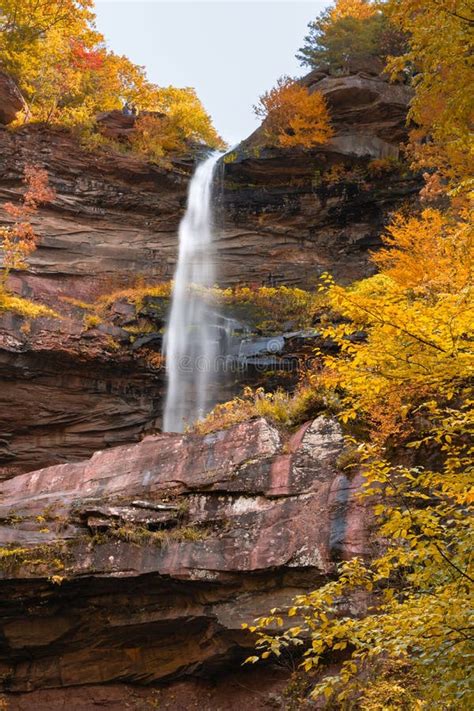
(191, 345)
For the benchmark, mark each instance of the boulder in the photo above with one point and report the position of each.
(11, 100)
(115, 124)
(366, 105)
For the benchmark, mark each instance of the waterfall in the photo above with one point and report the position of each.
(190, 344)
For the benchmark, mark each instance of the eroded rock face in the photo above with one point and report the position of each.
(66, 391)
(117, 215)
(11, 100)
(115, 219)
(302, 212)
(166, 547)
(367, 105)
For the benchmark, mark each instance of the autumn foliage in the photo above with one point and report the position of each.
(19, 239)
(292, 116)
(403, 393)
(67, 74)
(178, 121)
(439, 53)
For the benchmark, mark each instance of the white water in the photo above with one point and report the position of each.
(190, 343)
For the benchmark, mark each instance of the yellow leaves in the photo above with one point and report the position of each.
(406, 375)
(417, 314)
(439, 35)
(293, 116)
(252, 660)
(178, 119)
(24, 307)
(360, 9)
(430, 253)
(68, 76)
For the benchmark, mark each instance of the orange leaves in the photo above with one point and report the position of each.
(178, 119)
(67, 75)
(86, 59)
(19, 240)
(440, 49)
(294, 117)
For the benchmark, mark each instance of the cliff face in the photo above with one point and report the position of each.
(303, 212)
(287, 214)
(138, 565)
(284, 217)
(164, 548)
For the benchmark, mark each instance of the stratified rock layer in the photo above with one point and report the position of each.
(166, 547)
(284, 216)
(283, 219)
(302, 212)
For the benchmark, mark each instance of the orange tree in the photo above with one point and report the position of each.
(19, 239)
(439, 53)
(68, 75)
(292, 116)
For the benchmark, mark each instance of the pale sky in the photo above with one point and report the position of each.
(229, 51)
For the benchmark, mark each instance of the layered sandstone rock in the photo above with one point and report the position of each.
(67, 391)
(301, 212)
(283, 218)
(163, 549)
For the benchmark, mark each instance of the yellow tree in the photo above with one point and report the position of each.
(178, 120)
(67, 75)
(292, 116)
(407, 387)
(25, 23)
(440, 54)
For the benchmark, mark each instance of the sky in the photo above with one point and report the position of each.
(229, 51)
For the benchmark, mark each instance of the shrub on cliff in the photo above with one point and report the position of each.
(18, 240)
(179, 120)
(292, 116)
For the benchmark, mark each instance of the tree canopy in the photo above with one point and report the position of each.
(67, 74)
(348, 33)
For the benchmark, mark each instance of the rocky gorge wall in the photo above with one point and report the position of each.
(127, 566)
(140, 564)
(284, 217)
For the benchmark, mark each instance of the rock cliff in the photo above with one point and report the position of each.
(137, 566)
(284, 217)
(140, 564)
